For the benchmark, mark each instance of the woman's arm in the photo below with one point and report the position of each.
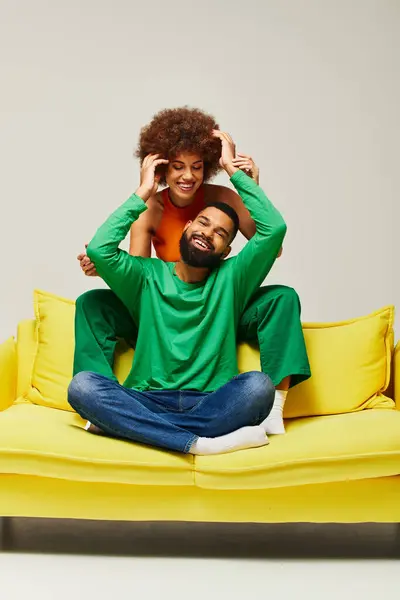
(143, 230)
(245, 163)
(246, 224)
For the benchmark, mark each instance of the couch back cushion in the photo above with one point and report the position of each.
(54, 351)
(350, 361)
(350, 366)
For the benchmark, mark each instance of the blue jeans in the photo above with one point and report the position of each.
(171, 419)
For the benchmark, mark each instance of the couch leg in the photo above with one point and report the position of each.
(5, 533)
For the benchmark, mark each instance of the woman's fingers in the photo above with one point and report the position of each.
(153, 160)
(149, 159)
(240, 164)
(222, 135)
(244, 160)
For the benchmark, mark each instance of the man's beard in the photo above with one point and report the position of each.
(194, 257)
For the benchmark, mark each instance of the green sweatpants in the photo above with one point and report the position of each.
(271, 319)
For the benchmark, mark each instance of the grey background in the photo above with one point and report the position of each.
(310, 88)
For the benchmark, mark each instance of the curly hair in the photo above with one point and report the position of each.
(176, 130)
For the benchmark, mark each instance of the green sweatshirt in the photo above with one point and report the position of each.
(187, 331)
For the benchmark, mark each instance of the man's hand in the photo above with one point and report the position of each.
(148, 179)
(86, 265)
(245, 163)
(227, 152)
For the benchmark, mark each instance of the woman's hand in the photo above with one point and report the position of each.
(86, 265)
(148, 179)
(227, 151)
(245, 163)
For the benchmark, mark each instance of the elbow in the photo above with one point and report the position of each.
(93, 251)
(280, 231)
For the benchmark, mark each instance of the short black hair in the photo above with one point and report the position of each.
(228, 210)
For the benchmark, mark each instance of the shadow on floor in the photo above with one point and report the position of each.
(208, 540)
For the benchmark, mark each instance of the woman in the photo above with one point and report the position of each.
(185, 137)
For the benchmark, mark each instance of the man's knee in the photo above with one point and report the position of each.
(287, 295)
(260, 389)
(81, 389)
(94, 300)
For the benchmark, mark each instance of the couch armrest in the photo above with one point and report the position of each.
(396, 375)
(8, 373)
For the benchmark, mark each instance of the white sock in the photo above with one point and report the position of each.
(245, 437)
(273, 424)
(88, 424)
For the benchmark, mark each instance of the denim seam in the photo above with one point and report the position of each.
(101, 425)
(189, 444)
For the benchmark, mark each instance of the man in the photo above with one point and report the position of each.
(271, 318)
(184, 392)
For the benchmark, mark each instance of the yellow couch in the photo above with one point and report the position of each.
(338, 462)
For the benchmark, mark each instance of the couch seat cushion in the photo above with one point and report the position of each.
(314, 450)
(37, 440)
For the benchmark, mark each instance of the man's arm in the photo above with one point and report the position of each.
(224, 194)
(247, 227)
(122, 272)
(253, 263)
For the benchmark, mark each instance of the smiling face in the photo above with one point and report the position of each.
(184, 176)
(205, 241)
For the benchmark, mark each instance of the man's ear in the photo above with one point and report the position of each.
(226, 252)
(188, 224)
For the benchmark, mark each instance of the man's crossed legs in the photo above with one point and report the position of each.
(181, 420)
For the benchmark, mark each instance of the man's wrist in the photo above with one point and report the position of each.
(230, 169)
(143, 193)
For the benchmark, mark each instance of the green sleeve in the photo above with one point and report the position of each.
(253, 263)
(123, 273)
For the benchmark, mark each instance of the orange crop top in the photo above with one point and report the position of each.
(173, 220)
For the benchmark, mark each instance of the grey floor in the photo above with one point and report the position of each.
(164, 539)
(77, 560)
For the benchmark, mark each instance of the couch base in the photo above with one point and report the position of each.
(367, 500)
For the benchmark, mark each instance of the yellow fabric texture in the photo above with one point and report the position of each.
(36, 440)
(350, 361)
(365, 500)
(339, 468)
(396, 375)
(350, 366)
(8, 373)
(54, 353)
(26, 353)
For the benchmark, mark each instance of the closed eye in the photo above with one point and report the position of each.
(180, 167)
